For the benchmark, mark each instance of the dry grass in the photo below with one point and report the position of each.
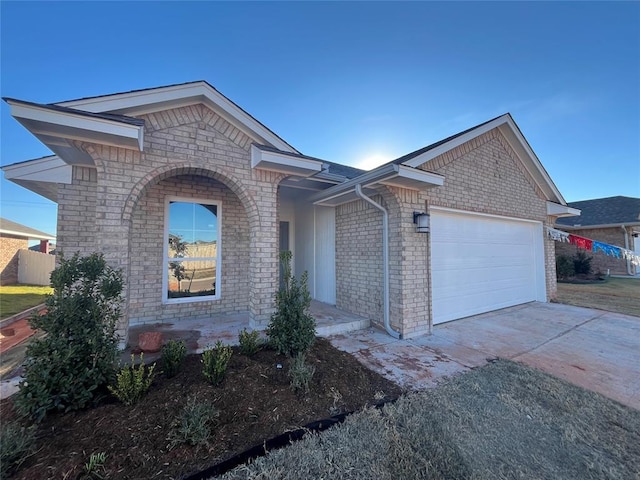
(17, 298)
(621, 295)
(504, 420)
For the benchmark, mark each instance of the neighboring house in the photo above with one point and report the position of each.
(144, 176)
(13, 238)
(612, 220)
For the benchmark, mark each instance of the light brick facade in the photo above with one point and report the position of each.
(118, 208)
(483, 175)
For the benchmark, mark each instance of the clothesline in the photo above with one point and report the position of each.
(593, 245)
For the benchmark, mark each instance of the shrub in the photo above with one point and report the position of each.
(249, 342)
(564, 267)
(582, 263)
(65, 368)
(16, 444)
(215, 362)
(132, 381)
(193, 426)
(172, 356)
(300, 373)
(292, 330)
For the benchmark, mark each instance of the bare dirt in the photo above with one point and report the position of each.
(255, 403)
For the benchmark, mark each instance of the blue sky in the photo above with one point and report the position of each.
(357, 83)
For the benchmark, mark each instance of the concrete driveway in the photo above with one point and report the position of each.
(597, 350)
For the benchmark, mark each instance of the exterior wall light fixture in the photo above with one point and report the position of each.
(422, 222)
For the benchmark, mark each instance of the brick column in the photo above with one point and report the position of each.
(264, 267)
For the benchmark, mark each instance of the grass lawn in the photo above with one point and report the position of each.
(17, 298)
(503, 420)
(620, 295)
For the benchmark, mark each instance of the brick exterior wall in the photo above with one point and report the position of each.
(483, 176)
(600, 262)
(147, 264)
(9, 246)
(104, 210)
(359, 259)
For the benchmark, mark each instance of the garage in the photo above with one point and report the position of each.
(481, 263)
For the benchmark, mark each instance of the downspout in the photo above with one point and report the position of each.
(626, 246)
(385, 259)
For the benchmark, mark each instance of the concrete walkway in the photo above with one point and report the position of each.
(594, 349)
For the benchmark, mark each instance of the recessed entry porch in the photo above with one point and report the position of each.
(201, 333)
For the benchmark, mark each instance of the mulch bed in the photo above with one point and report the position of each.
(254, 402)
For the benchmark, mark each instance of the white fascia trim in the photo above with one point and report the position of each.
(48, 169)
(76, 121)
(147, 101)
(27, 235)
(379, 175)
(288, 164)
(428, 178)
(557, 210)
(445, 147)
(522, 145)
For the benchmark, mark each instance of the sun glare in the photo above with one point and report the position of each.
(369, 162)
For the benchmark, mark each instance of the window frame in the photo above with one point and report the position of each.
(165, 251)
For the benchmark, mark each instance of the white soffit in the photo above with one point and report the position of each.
(389, 175)
(557, 210)
(54, 127)
(517, 142)
(283, 163)
(41, 176)
(152, 100)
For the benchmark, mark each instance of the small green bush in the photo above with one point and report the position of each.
(292, 330)
(564, 267)
(301, 374)
(193, 426)
(215, 361)
(66, 368)
(16, 444)
(132, 381)
(582, 263)
(172, 356)
(249, 342)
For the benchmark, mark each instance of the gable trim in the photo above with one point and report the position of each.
(506, 125)
(141, 102)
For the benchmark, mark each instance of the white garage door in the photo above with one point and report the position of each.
(481, 263)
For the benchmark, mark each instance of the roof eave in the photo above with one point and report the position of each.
(512, 133)
(386, 175)
(41, 176)
(57, 128)
(557, 210)
(147, 101)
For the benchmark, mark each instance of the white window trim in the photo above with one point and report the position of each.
(165, 251)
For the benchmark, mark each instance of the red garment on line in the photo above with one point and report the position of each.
(581, 242)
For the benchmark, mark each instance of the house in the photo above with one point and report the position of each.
(611, 220)
(149, 177)
(13, 238)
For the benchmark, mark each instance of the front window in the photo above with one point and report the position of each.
(192, 251)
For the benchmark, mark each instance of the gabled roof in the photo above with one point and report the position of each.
(13, 228)
(148, 100)
(507, 126)
(604, 212)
